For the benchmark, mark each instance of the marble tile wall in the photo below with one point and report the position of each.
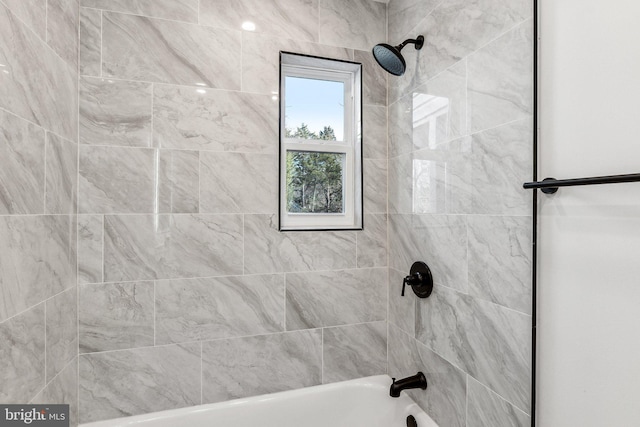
(187, 291)
(146, 185)
(460, 143)
(38, 202)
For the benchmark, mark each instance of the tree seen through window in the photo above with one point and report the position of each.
(314, 178)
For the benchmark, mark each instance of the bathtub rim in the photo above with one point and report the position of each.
(374, 381)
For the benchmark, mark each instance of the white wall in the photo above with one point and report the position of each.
(589, 237)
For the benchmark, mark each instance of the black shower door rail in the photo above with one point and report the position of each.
(551, 185)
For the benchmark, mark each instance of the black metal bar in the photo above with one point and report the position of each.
(552, 184)
(534, 224)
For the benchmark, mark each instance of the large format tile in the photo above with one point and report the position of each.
(404, 15)
(62, 176)
(90, 240)
(430, 115)
(438, 240)
(354, 351)
(359, 24)
(205, 309)
(115, 112)
(500, 260)
(90, 42)
(140, 48)
(374, 132)
(116, 180)
(441, 180)
(238, 183)
(400, 126)
(487, 409)
(490, 342)
(37, 260)
(332, 298)
(372, 241)
(179, 10)
(22, 351)
(22, 165)
(439, 109)
(215, 120)
(138, 247)
(374, 79)
(293, 19)
(261, 61)
(268, 250)
(35, 83)
(178, 181)
(434, 181)
(500, 162)
(402, 309)
(251, 366)
(130, 382)
(501, 80)
(445, 397)
(116, 316)
(62, 331)
(62, 29)
(375, 185)
(400, 184)
(63, 389)
(452, 31)
(32, 12)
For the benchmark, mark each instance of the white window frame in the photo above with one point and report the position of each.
(349, 73)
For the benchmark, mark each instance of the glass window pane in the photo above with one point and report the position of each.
(314, 109)
(315, 182)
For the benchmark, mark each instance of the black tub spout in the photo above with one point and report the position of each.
(415, 381)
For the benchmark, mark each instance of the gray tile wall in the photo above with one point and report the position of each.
(138, 182)
(38, 201)
(188, 293)
(460, 143)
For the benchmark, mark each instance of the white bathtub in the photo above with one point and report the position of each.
(364, 402)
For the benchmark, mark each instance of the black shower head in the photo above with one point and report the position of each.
(390, 58)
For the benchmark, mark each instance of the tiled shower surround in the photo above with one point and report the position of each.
(141, 267)
(186, 292)
(38, 221)
(460, 147)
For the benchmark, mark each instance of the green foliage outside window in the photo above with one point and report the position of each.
(314, 179)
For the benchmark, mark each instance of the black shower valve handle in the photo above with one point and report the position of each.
(411, 280)
(420, 280)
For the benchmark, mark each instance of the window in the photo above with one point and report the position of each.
(320, 143)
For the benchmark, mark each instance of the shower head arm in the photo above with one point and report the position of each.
(418, 42)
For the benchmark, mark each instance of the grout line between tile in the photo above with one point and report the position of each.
(322, 373)
(159, 18)
(242, 33)
(244, 266)
(101, 39)
(103, 235)
(46, 359)
(284, 296)
(44, 186)
(240, 274)
(77, 209)
(154, 316)
(466, 398)
(493, 392)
